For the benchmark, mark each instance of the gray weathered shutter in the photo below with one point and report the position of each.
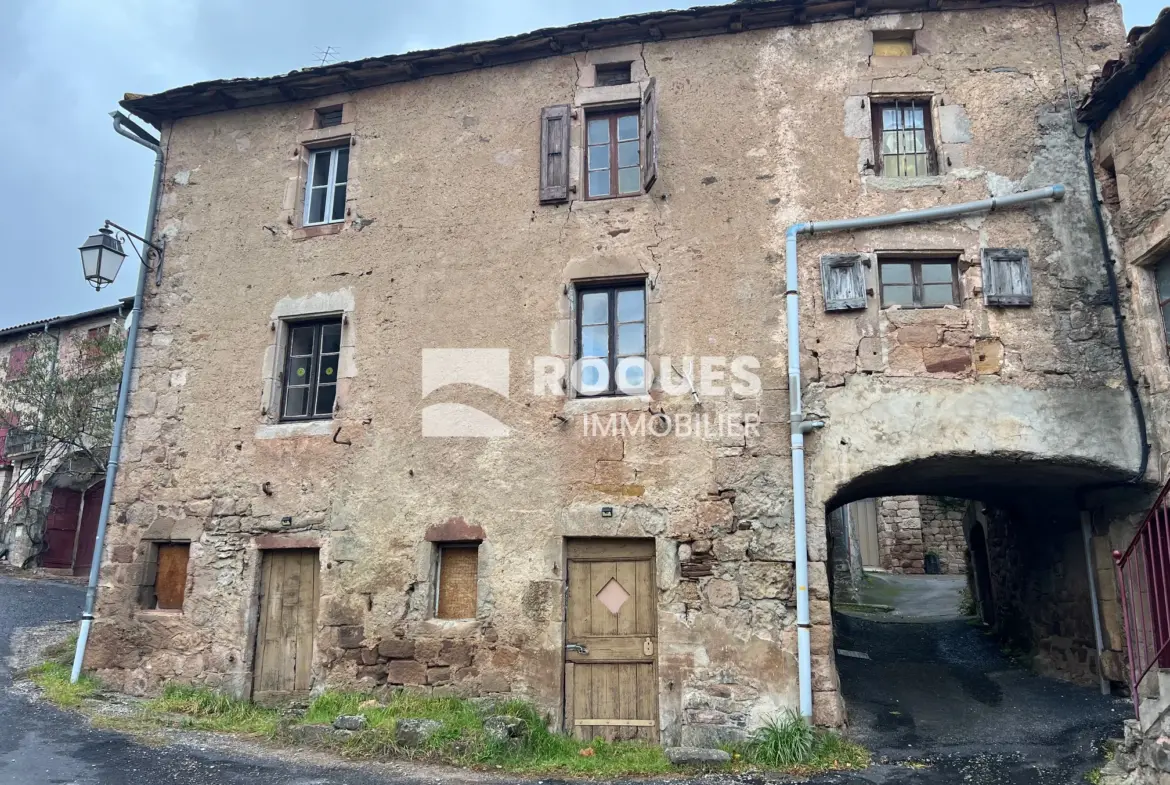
(554, 153)
(649, 126)
(843, 280)
(1007, 277)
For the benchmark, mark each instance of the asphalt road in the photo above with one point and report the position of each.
(937, 691)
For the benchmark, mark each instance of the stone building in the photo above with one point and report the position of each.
(49, 494)
(349, 421)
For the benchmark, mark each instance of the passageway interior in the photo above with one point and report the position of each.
(963, 625)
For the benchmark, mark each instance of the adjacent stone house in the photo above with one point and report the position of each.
(377, 436)
(49, 494)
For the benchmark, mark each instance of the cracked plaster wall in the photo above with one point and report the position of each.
(453, 251)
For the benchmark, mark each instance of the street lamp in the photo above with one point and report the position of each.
(102, 255)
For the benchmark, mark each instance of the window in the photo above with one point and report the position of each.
(329, 117)
(325, 187)
(1162, 276)
(611, 74)
(902, 134)
(611, 339)
(18, 360)
(164, 582)
(613, 155)
(919, 283)
(458, 576)
(91, 347)
(310, 369)
(893, 43)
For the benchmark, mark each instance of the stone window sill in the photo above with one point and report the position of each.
(617, 403)
(158, 613)
(293, 430)
(318, 230)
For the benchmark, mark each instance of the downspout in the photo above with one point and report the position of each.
(796, 414)
(139, 136)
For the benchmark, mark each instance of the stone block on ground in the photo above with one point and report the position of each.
(501, 727)
(415, 732)
(349, 722)
(696, 756)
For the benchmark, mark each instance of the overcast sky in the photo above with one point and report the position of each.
(66, 63)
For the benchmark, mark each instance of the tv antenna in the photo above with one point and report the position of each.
(327, 55)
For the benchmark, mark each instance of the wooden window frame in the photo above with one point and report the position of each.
(611, 287)
(440, 548)
(148, 591)
(1162, 301)
(877, 104)
(916, 263)
(314, 367)
(331, 184)
(612, 114)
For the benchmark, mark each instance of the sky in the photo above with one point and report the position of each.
(64, 64)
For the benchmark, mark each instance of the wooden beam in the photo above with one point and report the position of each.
(287, 92)
(617, 723)
(860, 8)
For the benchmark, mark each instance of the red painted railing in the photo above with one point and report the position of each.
(1143, 579)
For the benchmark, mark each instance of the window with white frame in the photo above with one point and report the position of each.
(325, 185)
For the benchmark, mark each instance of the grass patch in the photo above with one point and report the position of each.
(464, 742)
(1093, 777)
(53, 679)
(788, 742)
(62, 652)
(210, 710)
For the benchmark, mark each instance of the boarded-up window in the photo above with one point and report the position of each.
(843, 280)
(611, 73)
(458, 578)
(893, 43)
(17, 360)
(554, 154)
(1007, 277)
(164, 583)
(329, 117)
(91, 347)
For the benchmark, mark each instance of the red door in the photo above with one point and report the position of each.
(61, 528)
(87, 535)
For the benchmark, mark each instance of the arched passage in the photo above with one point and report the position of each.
(919, 656)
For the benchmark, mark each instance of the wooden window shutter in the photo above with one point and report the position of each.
(843, 280)
(171, 575)
(458, 593)
(1007, 277)
(649, 126)
(554, 153)
(17, 360)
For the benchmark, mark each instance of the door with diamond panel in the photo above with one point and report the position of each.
(611, 640)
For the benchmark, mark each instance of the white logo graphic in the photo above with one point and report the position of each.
(486, 368)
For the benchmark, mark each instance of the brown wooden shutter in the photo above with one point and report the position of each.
(458, 593)
(649, 126)
(170, 584)
(1007, 277)
(843, 281)
(554, 153)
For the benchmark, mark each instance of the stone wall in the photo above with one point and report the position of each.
(942, 532)
(900, 547)
(445, 244)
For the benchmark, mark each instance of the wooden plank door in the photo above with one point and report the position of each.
(287, 626)
(61, 528)
(863, 515)
(91, 505)
(611, 637)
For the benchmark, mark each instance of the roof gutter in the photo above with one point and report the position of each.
(129, 129)
(796, 412)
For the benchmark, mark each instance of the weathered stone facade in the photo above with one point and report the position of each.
(445, 244)
(942, 532)
(910, 527)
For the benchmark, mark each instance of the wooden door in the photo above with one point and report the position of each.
(863, 516)
(611, 637)
(61, 528)
(287, 625)
(91, 505)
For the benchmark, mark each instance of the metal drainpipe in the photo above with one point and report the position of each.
(123, 399)
(1087, 539)
(796, 414)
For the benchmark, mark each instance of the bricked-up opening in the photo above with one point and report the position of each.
(164, 583)
(329, 117)
(611, 74)
(457, 595)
